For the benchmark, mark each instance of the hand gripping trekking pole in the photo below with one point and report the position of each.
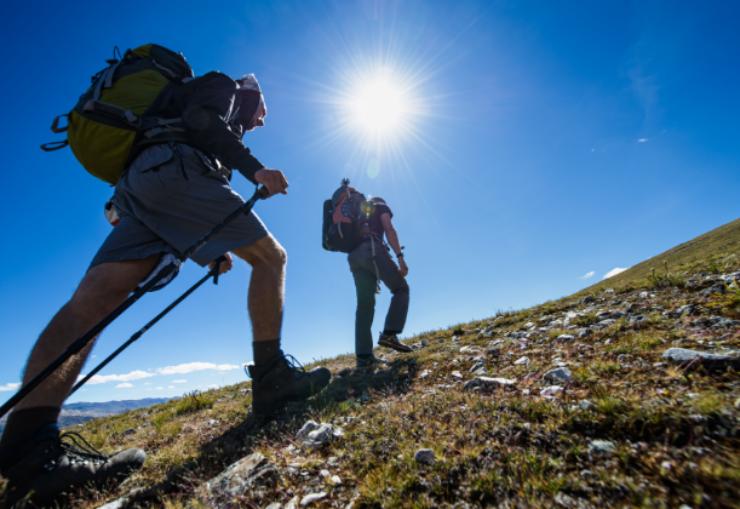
(83, 340)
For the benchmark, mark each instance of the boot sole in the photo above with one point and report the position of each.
(398, 347)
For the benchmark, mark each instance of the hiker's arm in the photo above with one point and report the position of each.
(209, 105)
(392, 235)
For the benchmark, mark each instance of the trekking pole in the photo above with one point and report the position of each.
(80, 343)
(214, 272)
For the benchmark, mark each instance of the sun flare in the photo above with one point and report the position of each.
(379, 106)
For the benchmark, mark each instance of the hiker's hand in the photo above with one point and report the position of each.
(402, 267)
(226, 264)
(273, 180)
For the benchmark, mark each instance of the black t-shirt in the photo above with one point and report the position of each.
(378, 207)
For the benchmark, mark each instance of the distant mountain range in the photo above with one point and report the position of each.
(76, 413)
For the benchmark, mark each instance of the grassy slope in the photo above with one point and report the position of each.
(706, 252)
(675, 431)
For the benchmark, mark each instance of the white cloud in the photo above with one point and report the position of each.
(190, 367)
(643, 140)
(614, 272)
(588, 275)
(170, 386)
(9, 387)
(159, 388)
(177, 369)
(179, 381)
(124, 385)
(125, 377)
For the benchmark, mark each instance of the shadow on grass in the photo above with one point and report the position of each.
(237, 442)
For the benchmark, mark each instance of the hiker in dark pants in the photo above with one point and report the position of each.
(174, 191)
(371, 262)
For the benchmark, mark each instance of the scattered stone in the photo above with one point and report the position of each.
(551, 391)
(425, 456)
(584, 332)
(568, 502)
(307, 428)
(425, 373)
(316, 435)
(293, 503)
(588, 299)
(275, 505)
(249, 476)
(556, 375)
(644, 295)
(469, 350)
(604, 447)
(487, 383)
(566, 337)
(716, 288)
(493, 351)
(123, 501)
(710, 360)
(585, 404)
(457, 374)
(312, 497)
(522, 361)
(607, 322)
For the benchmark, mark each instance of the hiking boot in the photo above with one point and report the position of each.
(369, 362)
(53, 464)
(391, 341)
(284, 380)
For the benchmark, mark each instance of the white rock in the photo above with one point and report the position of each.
(522, 361)
(312, 497)
(560, 374)
(585, 404)
(601, 446)
(307, 428)
(551, 391)
(566, 337)
(488, 383)
(457, 374)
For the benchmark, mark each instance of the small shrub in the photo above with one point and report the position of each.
(193, 402)
(665, 280)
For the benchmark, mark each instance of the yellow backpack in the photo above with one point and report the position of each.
(120, 108)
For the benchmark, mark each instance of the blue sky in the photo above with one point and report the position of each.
(551, 141)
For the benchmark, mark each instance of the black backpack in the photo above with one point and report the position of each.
(345, 224)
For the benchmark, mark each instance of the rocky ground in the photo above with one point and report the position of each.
(614, 398)
(625, 394)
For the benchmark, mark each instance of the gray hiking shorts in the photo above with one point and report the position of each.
(170, 196)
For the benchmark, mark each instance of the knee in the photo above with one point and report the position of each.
(402, 290)
(265, 253)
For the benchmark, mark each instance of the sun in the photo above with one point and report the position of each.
(379, 106)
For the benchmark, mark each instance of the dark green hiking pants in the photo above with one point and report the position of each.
(369, 262)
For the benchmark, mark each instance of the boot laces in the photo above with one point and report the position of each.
(294, 363)
(77, 448)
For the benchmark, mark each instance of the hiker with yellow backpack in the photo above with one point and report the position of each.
(168, 141)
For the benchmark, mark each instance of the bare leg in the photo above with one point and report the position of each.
(266, 287)
(102, 289)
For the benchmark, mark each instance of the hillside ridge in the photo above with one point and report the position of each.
(624, 394)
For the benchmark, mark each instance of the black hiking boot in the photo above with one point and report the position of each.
(284, 380)
(391, 341)
(52, 465)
